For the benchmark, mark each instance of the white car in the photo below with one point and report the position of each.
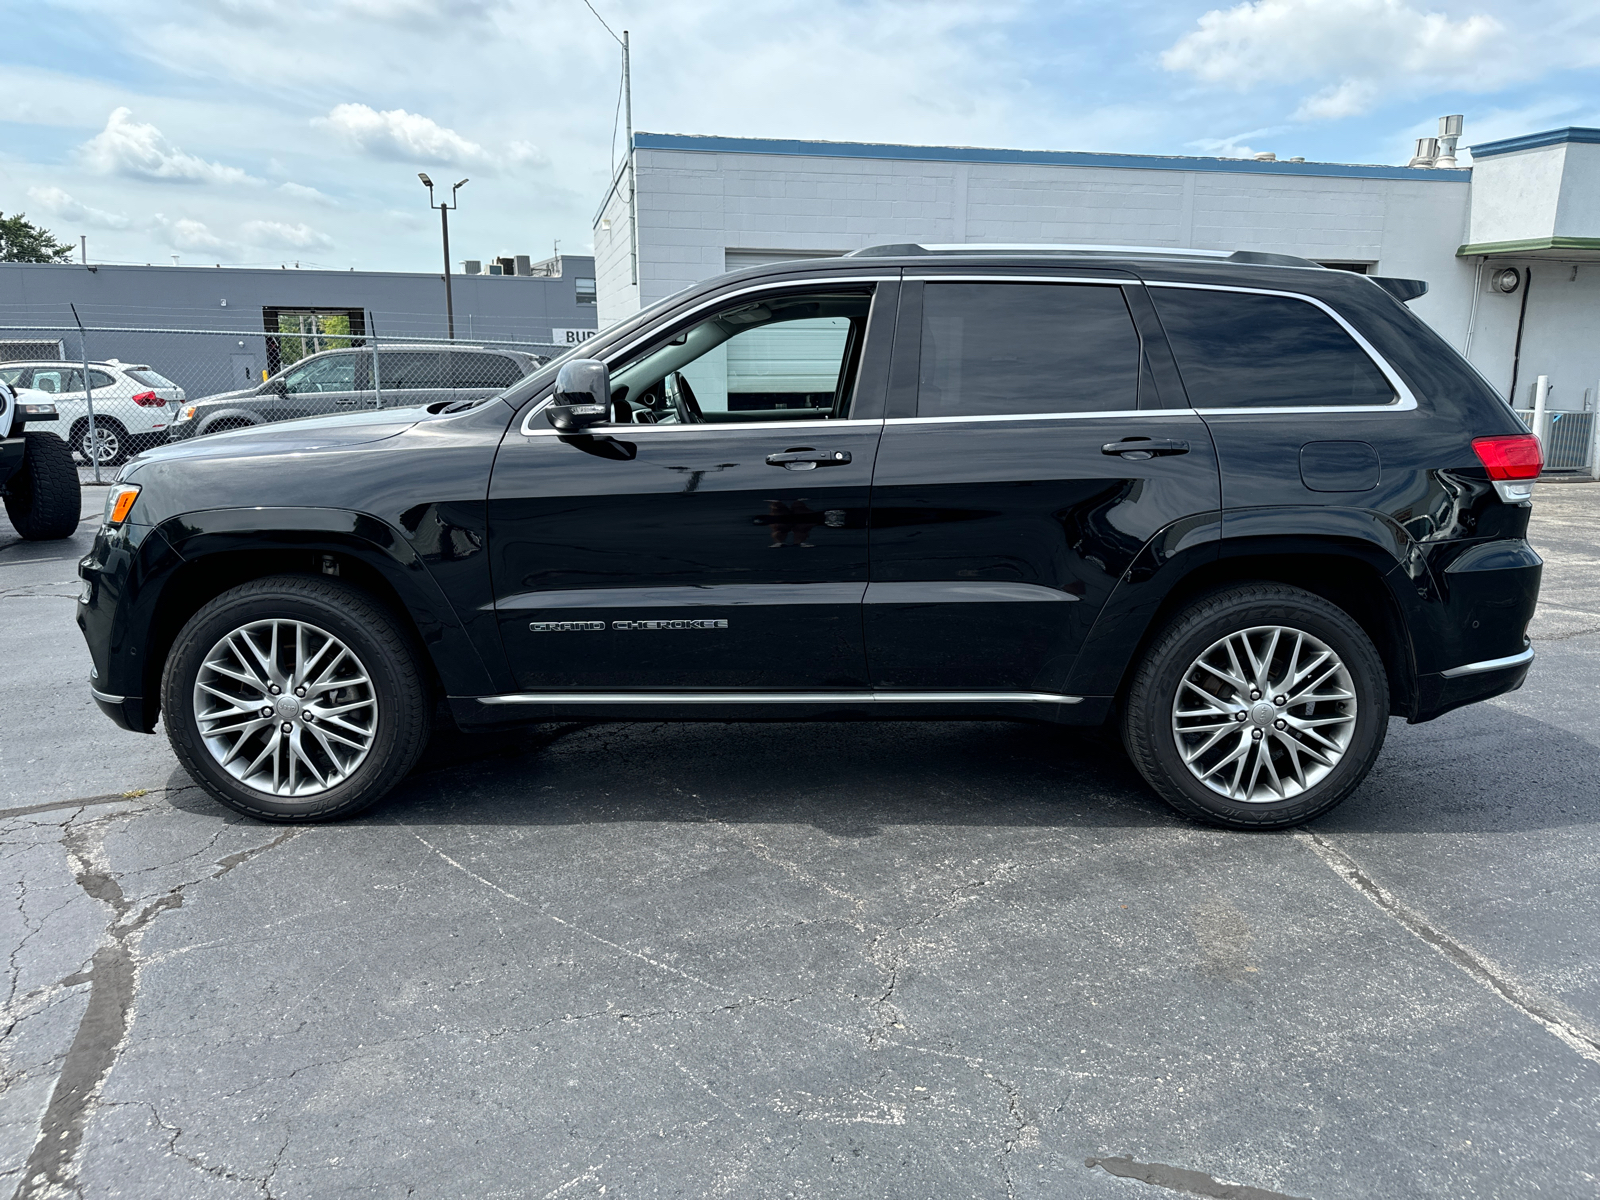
(133, 404)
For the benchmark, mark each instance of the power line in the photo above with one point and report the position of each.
(602, 21)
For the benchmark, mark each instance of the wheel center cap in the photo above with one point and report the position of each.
(1262, 712)
(288, 707)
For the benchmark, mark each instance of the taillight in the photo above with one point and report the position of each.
(1514, 456)
(1513, 462)
(149, 400)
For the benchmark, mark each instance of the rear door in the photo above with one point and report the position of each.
(479, 374)
(1026, 461)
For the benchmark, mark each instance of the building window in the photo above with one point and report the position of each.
(1360, 268)
(585, 290)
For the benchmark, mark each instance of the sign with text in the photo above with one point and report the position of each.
(571, 337)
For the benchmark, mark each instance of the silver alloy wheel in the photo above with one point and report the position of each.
(285, 708)
(1264, 714)
(106, 441)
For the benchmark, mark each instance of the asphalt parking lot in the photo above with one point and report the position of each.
(899, 960)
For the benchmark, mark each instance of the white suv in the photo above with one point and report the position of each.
(133, 405)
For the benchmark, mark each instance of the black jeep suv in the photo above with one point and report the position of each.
(1244, 507)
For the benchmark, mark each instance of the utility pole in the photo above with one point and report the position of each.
(444, 232)
(633, 191)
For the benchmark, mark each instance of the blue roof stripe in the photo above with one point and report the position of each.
(1530, 141)
(1045, 158)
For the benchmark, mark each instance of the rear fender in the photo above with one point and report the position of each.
(1335, 552)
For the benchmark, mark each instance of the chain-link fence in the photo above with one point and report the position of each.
(139, 386)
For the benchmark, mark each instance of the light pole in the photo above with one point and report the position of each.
(444, 231)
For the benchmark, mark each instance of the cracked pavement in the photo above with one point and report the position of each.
(897, 960)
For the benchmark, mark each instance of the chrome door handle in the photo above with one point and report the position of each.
(1139, 448)
(804, 458)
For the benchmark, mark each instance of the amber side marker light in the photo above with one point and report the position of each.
(1513, 462)
(119, 503)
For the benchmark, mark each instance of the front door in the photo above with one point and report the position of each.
(324, 385)
(715, 535)
(1036, 463)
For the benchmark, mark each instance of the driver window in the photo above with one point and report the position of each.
(773, 359)
(336, 373)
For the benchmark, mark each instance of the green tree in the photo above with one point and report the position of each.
(23, 241)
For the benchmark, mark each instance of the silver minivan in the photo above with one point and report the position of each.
(351, 380)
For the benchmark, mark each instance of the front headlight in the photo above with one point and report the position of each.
(185, 414)
(119, 503)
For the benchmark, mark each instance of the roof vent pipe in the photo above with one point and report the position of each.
(1449, 134)
(1427, 151)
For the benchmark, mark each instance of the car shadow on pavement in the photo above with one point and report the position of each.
(1483, 769)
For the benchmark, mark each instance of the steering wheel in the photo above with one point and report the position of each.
(683, 399)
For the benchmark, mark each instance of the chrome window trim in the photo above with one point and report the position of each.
(622, 351)
(1074, 416)
(632, 431)
(1490, 664)
(1102, 280)
(852, 697)
(1404, 400)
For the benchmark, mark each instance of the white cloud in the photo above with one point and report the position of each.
(401, 136)
(126, 147)
(299, 191)
(281, 236)
(1361, 50)
(58, 203)
(187, 234)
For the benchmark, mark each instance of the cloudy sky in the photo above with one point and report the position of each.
(272, 131)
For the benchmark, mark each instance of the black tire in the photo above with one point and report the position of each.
(1150, 717)
(386, 652)
(113, 437)
(43, 498)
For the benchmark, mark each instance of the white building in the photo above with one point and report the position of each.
(703, 205)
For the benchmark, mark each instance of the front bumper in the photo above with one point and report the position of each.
(126, 712)
(1469, 683)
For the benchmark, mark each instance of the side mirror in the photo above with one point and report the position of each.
(583, 395)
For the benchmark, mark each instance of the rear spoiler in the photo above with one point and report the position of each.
(1403, 290)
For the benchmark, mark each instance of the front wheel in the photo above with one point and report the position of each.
(1257, 707)
(294, 698)
(43, 498)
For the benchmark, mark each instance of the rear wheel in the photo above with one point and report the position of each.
(1258, 707)
(43, 498)
(110, 443)
(293, 698)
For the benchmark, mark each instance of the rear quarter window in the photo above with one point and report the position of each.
(1245, 350)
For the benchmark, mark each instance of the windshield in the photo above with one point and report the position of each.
(149, 378)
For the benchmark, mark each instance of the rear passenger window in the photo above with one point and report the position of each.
(1238, 350)
(482, 370)
(994, 349)
(412, 370)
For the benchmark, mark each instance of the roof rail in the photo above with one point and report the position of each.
(913, 249)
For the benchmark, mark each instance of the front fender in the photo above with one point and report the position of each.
(145, 582)
(315, 532)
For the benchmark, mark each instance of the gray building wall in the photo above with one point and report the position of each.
(37, 300)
